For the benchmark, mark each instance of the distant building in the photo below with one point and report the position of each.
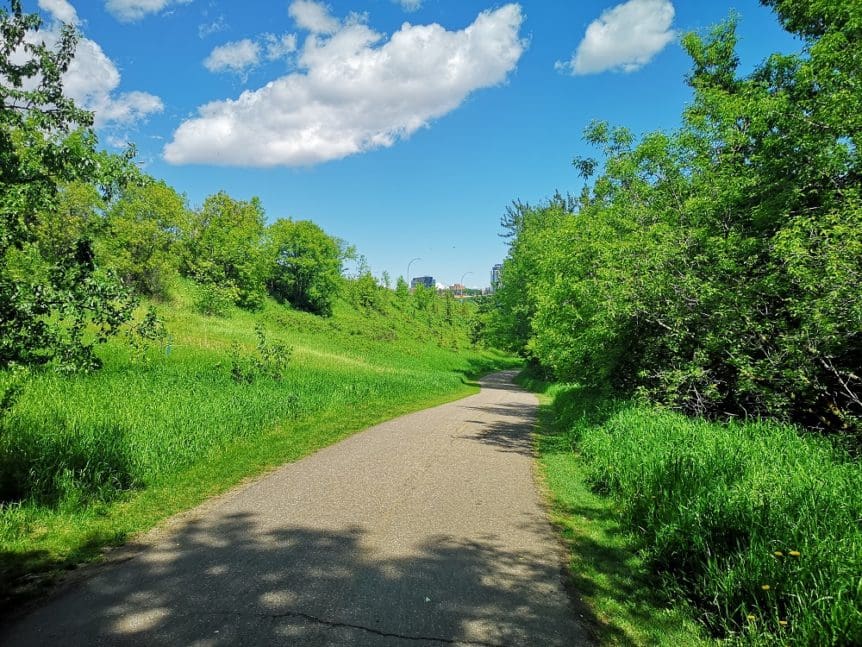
(424, 281)
(495, 276)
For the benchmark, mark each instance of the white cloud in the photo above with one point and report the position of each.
(92, 78)
(126, 108)
(210, 28)
(409, 5)
(60, 10)
(313, 16)
(353, 92)
(237, 57)
(625, 37)
(131, 10)
(279, 46)
(241, 56)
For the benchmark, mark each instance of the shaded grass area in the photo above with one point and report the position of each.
(752, 527)
(87, 461)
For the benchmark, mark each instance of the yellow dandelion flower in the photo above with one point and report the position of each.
(794, 553)
(778, 553)
(765, 587)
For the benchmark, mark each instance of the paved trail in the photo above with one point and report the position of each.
(425, 530)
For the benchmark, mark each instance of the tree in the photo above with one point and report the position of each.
(510, 326)
(402, 293)
(55, 302)
(304, 265)
(223, 246)
(141, 235)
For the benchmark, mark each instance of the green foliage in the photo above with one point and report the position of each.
(754, 525)
(145, 334)
(141, 236)
(271, 360)
(87, 459)
(55, 302)
(304, 265)
(607, 564)
(424, 299)
(402, 293)
(222, 246)
(11, 386)
(527, 229)
(366, 293)
(215, 300)
(714, 269)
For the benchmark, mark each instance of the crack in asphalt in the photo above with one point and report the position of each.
(347, 625)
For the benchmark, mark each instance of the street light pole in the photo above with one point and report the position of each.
(462, 282)
(408, 269)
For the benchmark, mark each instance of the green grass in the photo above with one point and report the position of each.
(90, 460)
(608, 573)
(752, 527)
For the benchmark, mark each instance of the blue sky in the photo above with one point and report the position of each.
(406, 140)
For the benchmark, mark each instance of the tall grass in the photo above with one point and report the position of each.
(76, 448)
(754, 525)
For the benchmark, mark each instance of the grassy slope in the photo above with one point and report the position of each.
(110, 454)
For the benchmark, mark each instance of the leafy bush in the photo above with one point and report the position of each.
(222, 245)
(56, 304)
(140, 241)
(144, 334)
(303, 265)
(366, 293)
(214, 300)
(271, 360)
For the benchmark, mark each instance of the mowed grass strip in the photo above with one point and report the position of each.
(89, 460)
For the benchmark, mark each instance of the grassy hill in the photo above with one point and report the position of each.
(88, 460)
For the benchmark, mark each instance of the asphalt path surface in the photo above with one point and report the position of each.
(425, 530)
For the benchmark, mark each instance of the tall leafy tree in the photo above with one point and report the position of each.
(55, 303)
(141, 236)
(716, 268)
(223, 245)
(304, 265)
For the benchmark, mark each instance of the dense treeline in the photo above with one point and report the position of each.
(715, 269)
(85, 234)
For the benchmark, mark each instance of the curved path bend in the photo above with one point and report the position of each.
(425, 530)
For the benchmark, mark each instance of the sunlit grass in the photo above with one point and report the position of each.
(621, 605)
(89, 460)
(752, 525)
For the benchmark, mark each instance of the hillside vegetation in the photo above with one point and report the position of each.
(153, 352)
(86, 459)
(700, 301)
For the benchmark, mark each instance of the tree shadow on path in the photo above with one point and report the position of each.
(235, 581)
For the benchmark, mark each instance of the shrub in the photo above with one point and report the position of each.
(214, 300)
